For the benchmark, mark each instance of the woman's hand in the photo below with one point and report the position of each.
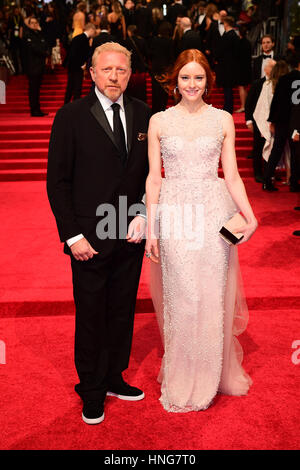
(247, 230)
(151, 250)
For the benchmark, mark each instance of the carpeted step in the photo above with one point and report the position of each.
(23, 153)
(23, 175)
(22, 164)
(24, 144)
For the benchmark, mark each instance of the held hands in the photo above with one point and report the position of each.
(82, 250)
(136, 230)
(247, 230)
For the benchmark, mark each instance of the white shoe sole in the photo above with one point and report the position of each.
(94, 420)
(126, 397)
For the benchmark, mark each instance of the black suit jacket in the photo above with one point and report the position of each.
(280, 111)
(227, 59)
(256, 66)
(85, 169)
(79, 52)
(102, 38)
(190, 40)
(212, 39)
(174, 11)
(252, 98)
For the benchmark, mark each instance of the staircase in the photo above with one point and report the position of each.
(24, 139)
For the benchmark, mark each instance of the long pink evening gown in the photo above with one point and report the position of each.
(196, 288)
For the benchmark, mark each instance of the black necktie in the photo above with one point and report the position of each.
(119, 132)
(267, 56)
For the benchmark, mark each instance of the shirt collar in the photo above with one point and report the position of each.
(106, 102)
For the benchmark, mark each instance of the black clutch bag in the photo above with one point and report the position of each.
(227, 233)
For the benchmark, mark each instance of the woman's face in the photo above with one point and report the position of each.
(192, 81)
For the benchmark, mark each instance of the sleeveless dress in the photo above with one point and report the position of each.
(196, 288)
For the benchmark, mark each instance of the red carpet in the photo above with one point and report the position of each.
(39, 408)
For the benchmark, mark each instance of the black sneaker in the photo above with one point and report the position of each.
(124, 391)
(93, 412)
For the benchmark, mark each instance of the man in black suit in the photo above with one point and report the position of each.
(36, 51)
(279, 117)
(103, 36)
(250, 105)
(227, 62)
(190, 39)
(175, 10)
(97, 169)
(267, 46)
(295, 139)
(77, 58)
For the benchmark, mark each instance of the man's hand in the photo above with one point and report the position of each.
(136, 230)
(250, 126)
(82, 250)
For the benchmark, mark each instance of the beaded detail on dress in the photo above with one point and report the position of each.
(194, 266)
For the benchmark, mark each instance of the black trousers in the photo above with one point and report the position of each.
(282, 135)
(295, 162)
(228, 99)
(34, 86)
(105, 290)
(258, 145)
(74, 85)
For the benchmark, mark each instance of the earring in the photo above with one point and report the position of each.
(175, 90)
(205, 92)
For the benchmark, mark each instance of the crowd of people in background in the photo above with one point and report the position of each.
(43, 34)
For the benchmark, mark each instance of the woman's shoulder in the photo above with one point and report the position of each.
(221, 113)
(162, 115)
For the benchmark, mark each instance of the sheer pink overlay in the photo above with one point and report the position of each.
(196, 288)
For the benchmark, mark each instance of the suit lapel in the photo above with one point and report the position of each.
(129, 121)
(100, 116)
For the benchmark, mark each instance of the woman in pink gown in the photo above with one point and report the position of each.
(195, 284)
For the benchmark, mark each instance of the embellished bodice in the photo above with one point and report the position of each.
(191, 144)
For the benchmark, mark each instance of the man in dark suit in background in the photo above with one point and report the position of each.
(295, 139)
(267, 46)
(97, 168)
(36, 51)
(103, 36)
(250, 105)
(280, 115)
(190, 39)
(227, 62)
(76, 60)
(175, 10)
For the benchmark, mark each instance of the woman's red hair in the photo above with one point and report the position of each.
(170, 79)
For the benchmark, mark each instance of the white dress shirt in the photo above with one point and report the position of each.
(221, 28)
(201, 18)
(106, 105)
(262, 73)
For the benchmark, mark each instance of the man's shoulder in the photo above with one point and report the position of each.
(76, 107)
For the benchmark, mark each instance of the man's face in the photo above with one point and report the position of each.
(111, 74)
(33, 24)
(267, 45)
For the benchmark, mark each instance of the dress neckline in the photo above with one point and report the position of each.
(186, 113)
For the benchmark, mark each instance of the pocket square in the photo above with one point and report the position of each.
(141, 136)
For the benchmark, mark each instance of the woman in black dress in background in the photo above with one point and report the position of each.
(244, 70)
